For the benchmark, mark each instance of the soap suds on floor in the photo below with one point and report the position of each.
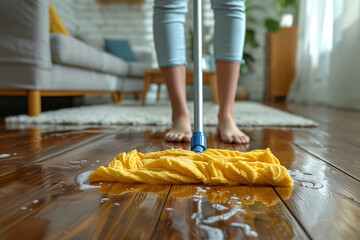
(200, 190)
(219, 207)
(104, 200)
(306, 179)
(246, 228)
(35, 201)
(169, 209)
(117, 204)
(212, 232)
(224, 216)
(83, 178)
(5, 155)
(198, 215)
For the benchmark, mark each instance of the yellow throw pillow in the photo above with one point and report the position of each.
(56, 25)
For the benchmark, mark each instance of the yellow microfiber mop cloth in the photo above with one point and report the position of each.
(213, 167)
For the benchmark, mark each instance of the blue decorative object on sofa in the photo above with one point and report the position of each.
(120, 48)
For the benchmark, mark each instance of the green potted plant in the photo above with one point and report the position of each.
(271, 24)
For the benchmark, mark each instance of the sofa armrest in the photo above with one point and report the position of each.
(24, 33)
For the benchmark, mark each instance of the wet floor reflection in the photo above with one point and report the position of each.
(231, 212)
(227, 212)
(247, 195)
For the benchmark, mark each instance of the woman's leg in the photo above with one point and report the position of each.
(175, 82)
(169, 37)
(227, 74)
(229, 39)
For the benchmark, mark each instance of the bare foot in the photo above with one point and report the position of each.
(230, 133)
(181, 130)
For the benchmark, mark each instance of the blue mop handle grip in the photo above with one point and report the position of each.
(198, 142)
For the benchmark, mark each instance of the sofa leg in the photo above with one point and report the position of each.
(34, 102)
(115, 97)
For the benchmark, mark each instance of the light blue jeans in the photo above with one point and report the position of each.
(169, 36)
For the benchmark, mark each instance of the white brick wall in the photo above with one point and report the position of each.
(117, 20)
(122, 20)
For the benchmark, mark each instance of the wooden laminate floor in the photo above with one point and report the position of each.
(40, 199)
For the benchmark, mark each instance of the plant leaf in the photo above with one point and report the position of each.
(272, 25)
(248, 57)
(290, 2)
(250, 38)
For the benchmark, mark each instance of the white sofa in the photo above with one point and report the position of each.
(35, 63)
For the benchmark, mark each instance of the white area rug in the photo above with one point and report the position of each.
(130, 112)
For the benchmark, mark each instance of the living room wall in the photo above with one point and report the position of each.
(115, 20)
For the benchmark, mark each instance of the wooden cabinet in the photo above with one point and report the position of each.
(280, 67)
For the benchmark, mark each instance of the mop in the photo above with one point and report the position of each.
(200, 165)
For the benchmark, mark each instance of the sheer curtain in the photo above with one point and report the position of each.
(328, 54)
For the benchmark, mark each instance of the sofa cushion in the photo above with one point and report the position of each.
(86, 80)
(120, 48)
(136, 69)
(67, 50)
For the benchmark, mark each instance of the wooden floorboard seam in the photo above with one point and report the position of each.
(160, 213)
(321, 122)
(338, 138)
(15, 223)
(82, 143)
(44, 158)
(294, 216)
(324, 160)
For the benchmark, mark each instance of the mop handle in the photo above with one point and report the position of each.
(198, 140)
(198, 78)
